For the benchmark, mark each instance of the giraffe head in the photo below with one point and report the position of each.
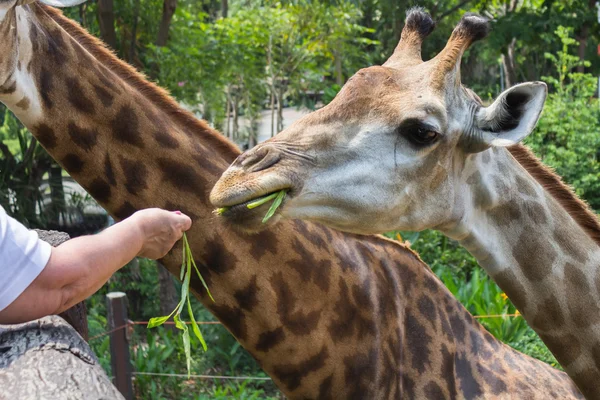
(388, 151)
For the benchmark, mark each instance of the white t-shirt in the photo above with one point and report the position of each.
(23, 256)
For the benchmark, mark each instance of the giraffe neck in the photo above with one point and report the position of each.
(327, 315)
(539, 255)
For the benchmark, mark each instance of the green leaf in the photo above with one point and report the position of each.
(262, 200)
(195, 327)
(274, 206)
(158, 321)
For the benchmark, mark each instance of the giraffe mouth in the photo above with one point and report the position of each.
(259, 203)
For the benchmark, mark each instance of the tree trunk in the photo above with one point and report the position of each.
(47, 359)
(236, 122)
(106, 20)
(228, 113)
(169, 298)
(82, 19)
(272, 111)
(339, 76)
(280, 108)
(583, 37)
(169, 7)
(508, 63)
(136, 13)
(224, 8)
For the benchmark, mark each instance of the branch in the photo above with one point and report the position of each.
(453, 9)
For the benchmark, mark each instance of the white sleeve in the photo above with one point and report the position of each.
(23, 256)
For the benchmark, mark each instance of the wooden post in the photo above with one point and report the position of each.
(116, 306)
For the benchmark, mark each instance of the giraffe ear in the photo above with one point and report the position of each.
(63, 3)
(512, 117)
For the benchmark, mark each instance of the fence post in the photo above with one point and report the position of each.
(116, 305)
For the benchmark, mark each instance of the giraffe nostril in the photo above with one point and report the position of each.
(258, 159)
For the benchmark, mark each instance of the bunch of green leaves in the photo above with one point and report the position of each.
(185, 275)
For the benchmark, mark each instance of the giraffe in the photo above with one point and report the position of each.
(406, 146)
(326, 314)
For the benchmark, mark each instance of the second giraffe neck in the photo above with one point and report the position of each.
(537, 253)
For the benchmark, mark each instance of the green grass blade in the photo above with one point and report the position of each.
(262, 200)
(274, 206)
(195, 327)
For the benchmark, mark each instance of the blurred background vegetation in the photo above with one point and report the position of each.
(227, 60)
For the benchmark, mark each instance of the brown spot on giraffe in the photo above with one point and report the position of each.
(269, 339)
(45, 87)
(46, 136)
(434, 391)
(571, 247)
(247, 297)
(582, 306)
(109, 172)
(508, 281)
(264, 242)
(538, 265)
(292, 374)
(325, 388)
(182, 177)
(233, 319)
(309, 269)
(504, 214)
(99, 189)
(72, 163)
(217, 257)
(77, 96)
(417, 340)
(125, 127)
(536, 212)
(166, 140)
(105, 97)
(549, 315)
(8, 88)
(524, 187)
(292, 316)
(349, 322)
(85, 138)
(569, 348)
(136, 175)
(482, 196)
(23, 104)
(468, 385)
(359, 378)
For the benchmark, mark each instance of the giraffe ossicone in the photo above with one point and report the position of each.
(406, 146)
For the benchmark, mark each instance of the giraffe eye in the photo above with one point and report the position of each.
(423, 136)
(419, 133)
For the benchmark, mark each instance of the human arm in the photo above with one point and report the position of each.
(79, 267)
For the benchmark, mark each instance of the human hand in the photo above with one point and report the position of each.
(160, 229)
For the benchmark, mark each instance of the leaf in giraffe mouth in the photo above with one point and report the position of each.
(186, 272)
(278, 199)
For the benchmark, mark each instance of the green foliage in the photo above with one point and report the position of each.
(568, 135)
